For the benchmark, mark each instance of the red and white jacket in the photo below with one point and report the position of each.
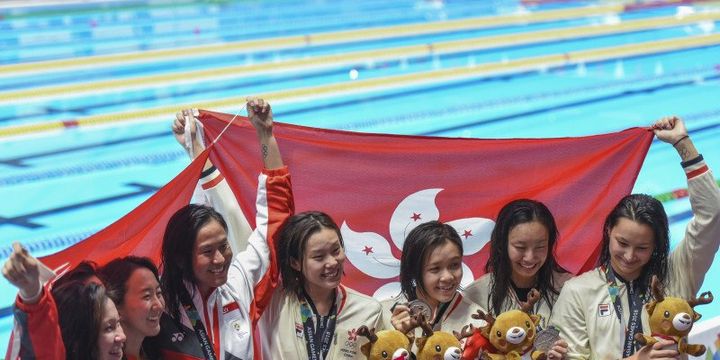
(231, 312)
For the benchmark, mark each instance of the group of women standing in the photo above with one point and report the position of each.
(277, 293)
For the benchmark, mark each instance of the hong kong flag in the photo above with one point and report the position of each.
(379, 187)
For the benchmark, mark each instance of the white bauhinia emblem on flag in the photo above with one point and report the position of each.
(372, 254)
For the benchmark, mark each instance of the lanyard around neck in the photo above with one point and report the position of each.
(317, 337)
(202, 335)
(635, 301)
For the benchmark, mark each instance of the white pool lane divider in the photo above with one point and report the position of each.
(402, 53)
(300, 41)
(230, 104)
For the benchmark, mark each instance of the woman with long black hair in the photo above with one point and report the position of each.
(521, 258)
(214, 297)
(600, 311)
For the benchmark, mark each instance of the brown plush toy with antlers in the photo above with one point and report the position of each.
(435, 345)
(512, 333)
(672, 318)
(385, 344)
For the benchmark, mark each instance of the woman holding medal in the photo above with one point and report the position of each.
(213, 297)
(599, 311)
(430, 274)
(313, 316)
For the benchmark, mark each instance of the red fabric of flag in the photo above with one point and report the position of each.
(379, 187)
(140, 232)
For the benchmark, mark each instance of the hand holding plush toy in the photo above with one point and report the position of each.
(672, 318)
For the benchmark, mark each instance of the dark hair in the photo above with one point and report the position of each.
(419, 244)
(292, 242)
(82, 272)
(514, 213)
(642, 209)
(116, 273)
(80, 311)
(177, 248)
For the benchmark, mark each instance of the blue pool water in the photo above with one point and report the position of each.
(60, 186)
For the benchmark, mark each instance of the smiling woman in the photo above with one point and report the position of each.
(609, 299)
(133, 284)
(521, 257)
(313, 308)
(430, 271)
(214, 296)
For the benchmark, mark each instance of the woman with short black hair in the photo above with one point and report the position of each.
(430, 272)
(314, 316)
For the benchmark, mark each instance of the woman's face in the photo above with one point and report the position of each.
(631, 246)
(211, 257)
(442, 272)
(111, 338)
(143, 304)
(322, 263)
(527, 251)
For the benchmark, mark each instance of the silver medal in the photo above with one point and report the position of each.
(420, 307)
(545, 339)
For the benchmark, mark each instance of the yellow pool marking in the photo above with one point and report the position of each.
(358, 86)
(310, 39)
(359, 57)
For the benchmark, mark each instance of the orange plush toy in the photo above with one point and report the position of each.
(672, 318)
(511, 334)
(385, 344)
(436, 345)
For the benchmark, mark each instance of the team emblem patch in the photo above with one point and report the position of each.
(237, 327)
(352, 335)
(604, 310)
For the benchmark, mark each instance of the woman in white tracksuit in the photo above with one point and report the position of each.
(313, 316)
(430, 271)
(599, 311)
(521, 258)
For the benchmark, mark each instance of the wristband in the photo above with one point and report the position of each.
(680, 139)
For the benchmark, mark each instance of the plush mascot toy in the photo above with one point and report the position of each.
(474, 344)
(512, 333)
(672, 318)
(435, 345)
(385, 344)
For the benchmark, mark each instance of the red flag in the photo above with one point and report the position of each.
(379, 187)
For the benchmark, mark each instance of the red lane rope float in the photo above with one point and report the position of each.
(675, 194)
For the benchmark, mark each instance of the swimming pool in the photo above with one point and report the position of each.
(87, 91)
